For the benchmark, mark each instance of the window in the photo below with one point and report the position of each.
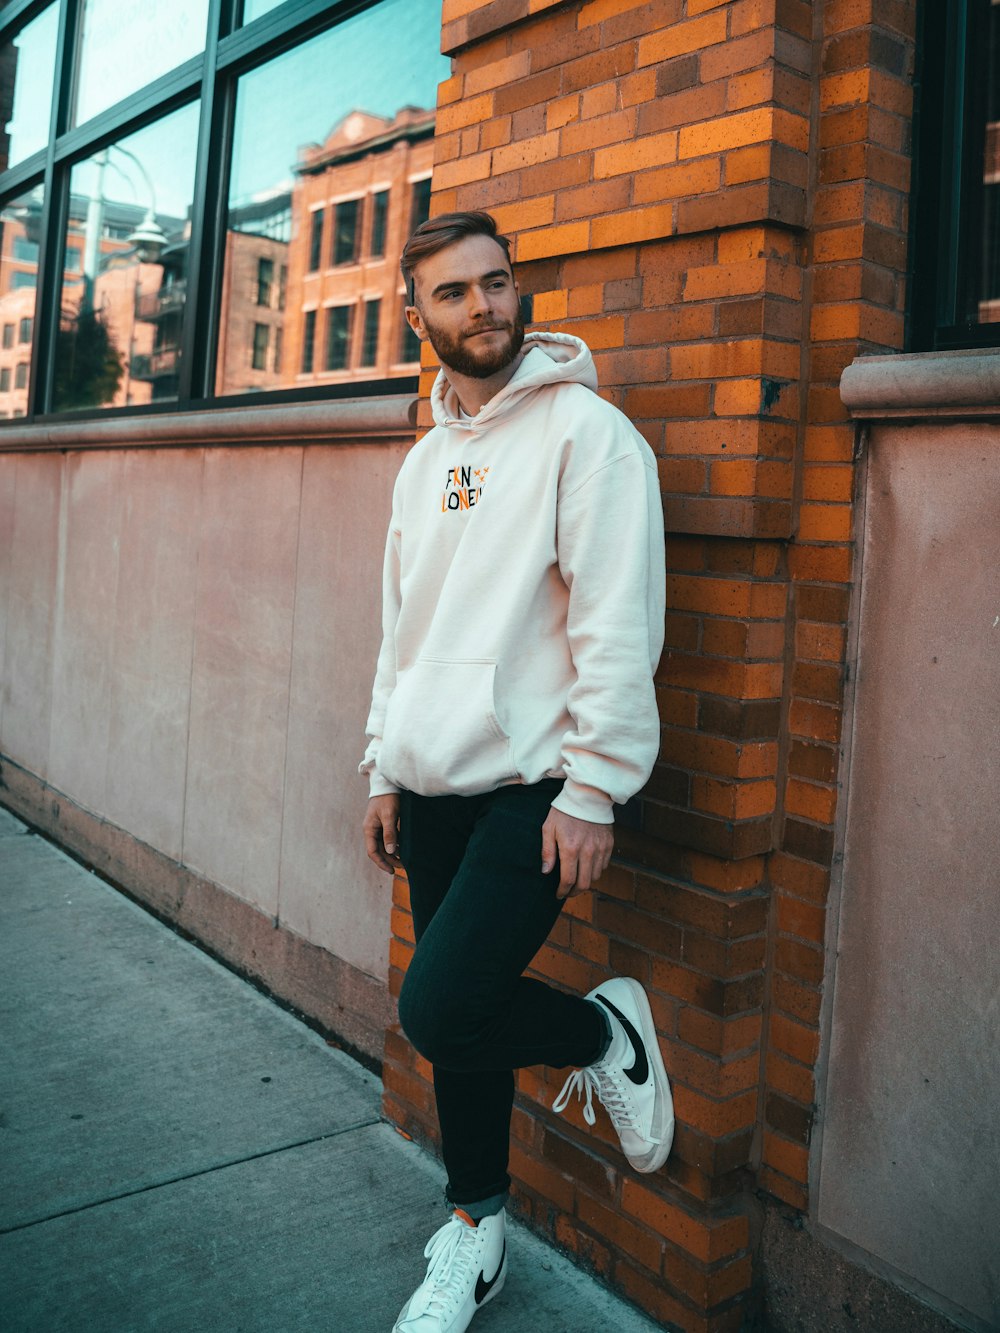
(308, 342)
(261, 338)
(190, 178)
(346, 231)
(5, 379)
(21, 375)
(24, 332)
(265, 277)
(420, 209)
(8, 335)
(316, 240)
(30, 53)
(954, 292)
(339, 319)
(380, 214)
(369, 339)
(409, 345)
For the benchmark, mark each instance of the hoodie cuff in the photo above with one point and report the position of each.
(378, 785)
(585, 803)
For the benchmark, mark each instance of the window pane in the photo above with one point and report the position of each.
(129, 43)
(20, 225)
(129, 218)
(369, 342)
(253, 9)
(27, 70)
(989, 287)
(338, 336)
(352, 110)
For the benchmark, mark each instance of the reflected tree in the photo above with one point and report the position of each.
(89, 367)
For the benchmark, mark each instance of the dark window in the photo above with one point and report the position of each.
(316, 240)
(308, 342)
(278, 340)
(21, 280)
(338, 336)
(282, 286)
(421, 206)
(346, 231)
(24, 331)
(380, 215)
(265, 280)
(369, 341)
(409, 345)
(8, 335)
(25, 250)
(5, 379)
(21, 375)
(72, 264)
(261, 337)
(954, 291)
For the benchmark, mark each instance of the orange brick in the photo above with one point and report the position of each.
(741, 800)
(829, 444)
(726, 876)
(820, 722)
(707, 1241)
(715, 1118)
(828, 483)
(701, 177)
(498, 73)
(587, 299)
(616, 128)
(743, 128)
(805, 920)
(679, 38)
(817, 642)
(526, 152)
(825, 522)
(641, 224)
(794, 1040)
(599, 10)
(848, 89)
(791, 1159)
(467, 169)
(548, 306)
(820, 564)
(467, 112)
(562, 239)
(792, 1079)
(525, 214)
(653, 150)
(598, 333)
(750, 89)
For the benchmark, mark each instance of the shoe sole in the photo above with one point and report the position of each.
(661, 1151)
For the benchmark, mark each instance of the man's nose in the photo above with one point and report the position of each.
(479, 302)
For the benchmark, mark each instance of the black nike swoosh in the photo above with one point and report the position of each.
(484, 1288)
(640, 1066)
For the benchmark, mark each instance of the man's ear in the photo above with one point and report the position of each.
(415, 321)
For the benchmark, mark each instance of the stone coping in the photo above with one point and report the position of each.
(388, 416)
(921, 384)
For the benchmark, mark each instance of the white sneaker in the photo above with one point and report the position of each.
(637, 1096)
(468, 1267)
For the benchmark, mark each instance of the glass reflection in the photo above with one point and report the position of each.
(27, 71)
(989, 292)
(125, 269)
(129, 43)
(20, 233)
(352, 111)
(253, 9)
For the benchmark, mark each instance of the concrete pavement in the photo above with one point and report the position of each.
(177, 1153)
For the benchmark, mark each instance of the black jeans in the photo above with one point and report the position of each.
(481, 910)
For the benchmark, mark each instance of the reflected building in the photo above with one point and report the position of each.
(356, 199)
(254, 296)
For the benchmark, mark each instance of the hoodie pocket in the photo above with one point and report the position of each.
(442, 734)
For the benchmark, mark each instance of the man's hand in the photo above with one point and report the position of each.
(381, 826)
(583, 849)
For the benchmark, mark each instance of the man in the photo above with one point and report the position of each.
(513, 704)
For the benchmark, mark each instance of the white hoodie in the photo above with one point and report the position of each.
(523, 596)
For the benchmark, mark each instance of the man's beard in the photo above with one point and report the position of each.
(455, 353)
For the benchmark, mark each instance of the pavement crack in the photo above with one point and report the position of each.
(190, 1175)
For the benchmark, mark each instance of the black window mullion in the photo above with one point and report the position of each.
(55, 210)
(283, 28)
(16, 13)
(206, 248)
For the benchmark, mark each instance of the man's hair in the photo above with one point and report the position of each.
(438, 233)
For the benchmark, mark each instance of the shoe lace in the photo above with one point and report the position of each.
(611, 1091)
(452, 1252)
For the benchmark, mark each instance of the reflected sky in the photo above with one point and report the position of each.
(28, 126)
(165, 151)
(378, 61)
(129, 43)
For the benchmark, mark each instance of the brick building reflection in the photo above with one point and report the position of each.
(312, 290)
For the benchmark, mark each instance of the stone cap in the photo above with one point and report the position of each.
(921, 384)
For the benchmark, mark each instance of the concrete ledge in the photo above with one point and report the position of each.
(923, 384)
(391, 416)
(343, 1001)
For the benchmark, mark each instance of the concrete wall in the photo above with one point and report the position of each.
(909, 1156)
(187, 637)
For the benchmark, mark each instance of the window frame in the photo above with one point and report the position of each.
(231, 50)
(947, 176)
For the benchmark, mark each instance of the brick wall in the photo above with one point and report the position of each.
(713, 195)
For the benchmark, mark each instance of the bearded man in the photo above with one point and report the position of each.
(513, 706)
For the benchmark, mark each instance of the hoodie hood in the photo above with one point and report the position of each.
(548, 358)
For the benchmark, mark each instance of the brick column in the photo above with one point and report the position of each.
(712, 195)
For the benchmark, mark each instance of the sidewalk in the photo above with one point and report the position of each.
(177, 1153)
